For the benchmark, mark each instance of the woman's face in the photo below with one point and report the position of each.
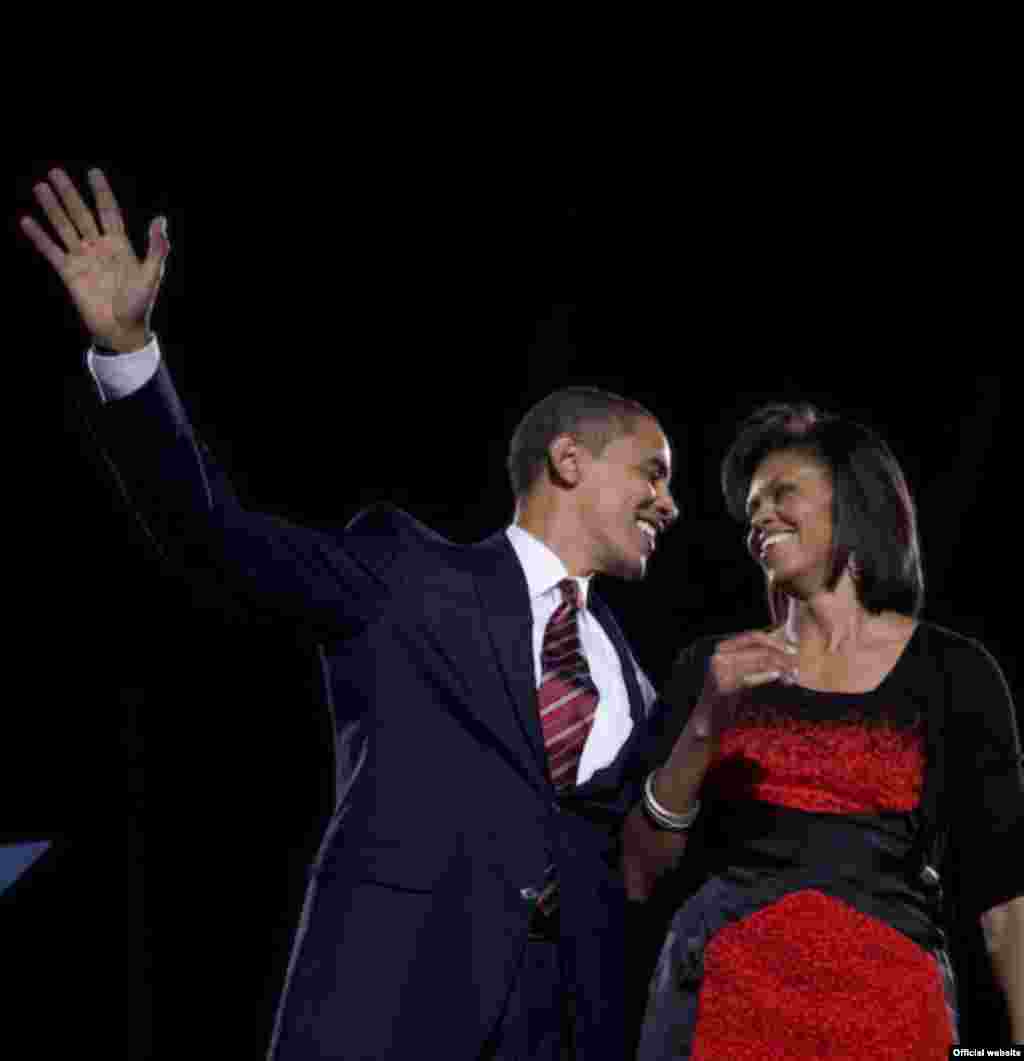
(789, 506)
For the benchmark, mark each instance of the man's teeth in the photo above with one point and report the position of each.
(773, 538)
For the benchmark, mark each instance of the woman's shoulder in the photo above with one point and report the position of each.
(938, 639)
(961, 658)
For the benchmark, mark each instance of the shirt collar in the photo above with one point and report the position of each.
(542, 567)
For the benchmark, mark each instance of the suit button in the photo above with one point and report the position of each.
(529, 895)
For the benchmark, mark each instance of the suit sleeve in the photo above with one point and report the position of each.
(188, 509)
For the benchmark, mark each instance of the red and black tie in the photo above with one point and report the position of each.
(567, 693)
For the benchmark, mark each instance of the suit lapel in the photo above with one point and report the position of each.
(604, 791)
(508, 619)
(602, 613)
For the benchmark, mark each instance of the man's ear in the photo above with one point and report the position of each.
(565, 460)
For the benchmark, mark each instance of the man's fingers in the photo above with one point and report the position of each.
(57, 217)
(106, 202)
(156, 256)
(81, 215)
(46, 247)
(159, 243)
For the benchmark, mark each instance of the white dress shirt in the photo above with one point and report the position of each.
(613, 721)
(121, 375)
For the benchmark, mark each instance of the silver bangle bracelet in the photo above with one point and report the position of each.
(666, 819)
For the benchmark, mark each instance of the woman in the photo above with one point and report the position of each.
(819, 768)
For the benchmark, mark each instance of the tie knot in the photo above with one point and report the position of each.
(570, 592)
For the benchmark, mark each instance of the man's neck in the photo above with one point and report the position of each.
(560, 534)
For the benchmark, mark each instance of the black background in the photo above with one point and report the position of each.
(372, 336)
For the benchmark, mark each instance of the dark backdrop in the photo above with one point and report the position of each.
(372, 337)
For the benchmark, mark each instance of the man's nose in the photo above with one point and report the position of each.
(667, 508)
(765, 513)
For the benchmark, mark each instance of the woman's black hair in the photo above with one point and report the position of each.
(873, 514)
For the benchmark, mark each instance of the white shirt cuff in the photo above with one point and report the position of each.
(120, 375)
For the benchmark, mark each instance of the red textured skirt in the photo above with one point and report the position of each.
(750, 970)
(810, 977)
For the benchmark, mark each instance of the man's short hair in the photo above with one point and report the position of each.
(593, 417)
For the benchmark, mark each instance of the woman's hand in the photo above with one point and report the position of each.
(113, 291)
(738, 664)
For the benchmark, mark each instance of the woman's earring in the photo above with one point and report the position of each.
(853, 567)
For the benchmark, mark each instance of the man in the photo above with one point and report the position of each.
(467, 899)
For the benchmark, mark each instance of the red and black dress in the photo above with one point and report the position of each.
(812, 932)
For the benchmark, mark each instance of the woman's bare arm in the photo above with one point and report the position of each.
(1003, 928)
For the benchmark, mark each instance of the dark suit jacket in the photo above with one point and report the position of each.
(414, 925)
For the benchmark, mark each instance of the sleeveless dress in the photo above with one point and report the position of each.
(812, 934)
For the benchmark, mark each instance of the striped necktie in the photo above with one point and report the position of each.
(567, 694)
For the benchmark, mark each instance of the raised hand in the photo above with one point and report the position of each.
(740, 663)
(113, 291)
